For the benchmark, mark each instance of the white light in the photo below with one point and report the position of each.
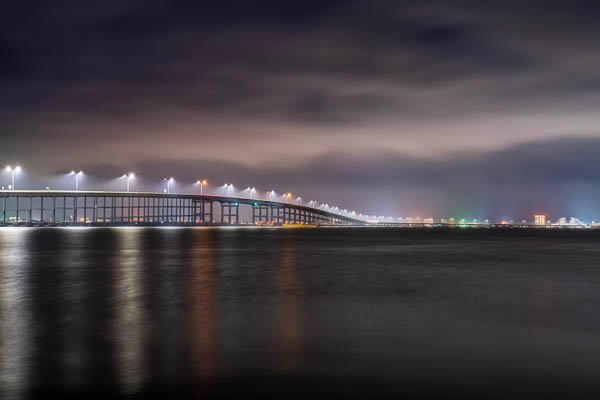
(129, 177)
(13, 171)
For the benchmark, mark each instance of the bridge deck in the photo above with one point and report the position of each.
(135, 208)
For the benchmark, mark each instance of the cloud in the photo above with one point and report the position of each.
(306, 62)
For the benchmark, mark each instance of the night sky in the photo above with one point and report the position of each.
(473, 109)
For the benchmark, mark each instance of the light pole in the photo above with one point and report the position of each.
(129, 177)
(299, 200)
(250, 190)
(13, 171)
(271, 195)
(76, 174)
(169, 180)
(201, 183)
(228, 186)
(287, 197)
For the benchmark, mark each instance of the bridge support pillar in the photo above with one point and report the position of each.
(75, 201)
(286, 215)
(230, 213)
(260, 214)
(203, 212)
(277, 215)
(291, 215)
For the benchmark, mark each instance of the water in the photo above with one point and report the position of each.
(193, 312)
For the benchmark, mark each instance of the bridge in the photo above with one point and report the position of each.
(77, 208)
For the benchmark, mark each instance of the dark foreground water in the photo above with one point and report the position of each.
(159, 312)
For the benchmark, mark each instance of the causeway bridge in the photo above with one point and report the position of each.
(80, 208)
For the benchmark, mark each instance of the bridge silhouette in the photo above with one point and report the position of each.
(75, 208)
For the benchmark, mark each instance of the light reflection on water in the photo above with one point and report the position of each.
(203, 286)
(137, 311)
(288, 312)
(73, 288)
(129, 311)
(15, 314)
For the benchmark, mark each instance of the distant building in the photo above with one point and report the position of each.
(540, 219)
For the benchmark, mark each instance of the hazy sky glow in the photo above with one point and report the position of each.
(463, 108)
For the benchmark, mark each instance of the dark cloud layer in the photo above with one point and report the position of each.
(430, 103)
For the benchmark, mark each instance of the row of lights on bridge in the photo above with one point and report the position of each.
(169, 181)
(129, 177)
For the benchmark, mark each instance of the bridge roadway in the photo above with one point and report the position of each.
(58, 207)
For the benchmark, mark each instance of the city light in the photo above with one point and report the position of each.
(539, 219)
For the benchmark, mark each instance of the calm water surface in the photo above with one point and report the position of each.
(192, 312)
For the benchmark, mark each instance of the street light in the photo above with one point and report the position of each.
(201, 183)
(287, 197)
(76, 174)
(129, 177)
(271, 193)
(299, 200)
(250, 190)
(12, 171)
(229, 186)
(169, 180)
